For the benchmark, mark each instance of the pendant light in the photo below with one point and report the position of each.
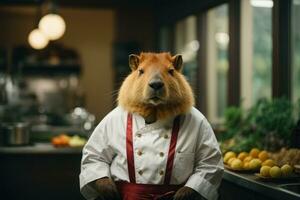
(37, 39)
(52, 24)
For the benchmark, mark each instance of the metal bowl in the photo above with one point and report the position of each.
(15, 134)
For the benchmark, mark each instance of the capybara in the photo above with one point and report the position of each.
(154, 144)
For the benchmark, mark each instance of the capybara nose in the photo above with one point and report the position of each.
(156, 85)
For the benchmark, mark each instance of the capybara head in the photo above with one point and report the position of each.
(156, 86)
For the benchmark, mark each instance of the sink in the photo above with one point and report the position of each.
(293, 187)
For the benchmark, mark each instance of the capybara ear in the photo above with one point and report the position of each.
(134, 61)
(177, 62)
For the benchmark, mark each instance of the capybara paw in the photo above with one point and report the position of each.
(106, 189)
(186, 193)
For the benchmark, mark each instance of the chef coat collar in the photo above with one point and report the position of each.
(167, 122)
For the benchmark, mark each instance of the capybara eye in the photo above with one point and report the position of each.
(141, 71)
(171, 71)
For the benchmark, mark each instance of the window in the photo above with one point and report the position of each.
(295, 50)
(186, 43)
(256, 51)
(217, 62)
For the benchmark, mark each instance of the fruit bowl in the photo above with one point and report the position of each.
(264, 178)
(240, 170)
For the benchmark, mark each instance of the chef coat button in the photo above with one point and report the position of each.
(161, 172)
(139, 152)
(161, 154)
(138, 135)
(166, 136)
(140, 172)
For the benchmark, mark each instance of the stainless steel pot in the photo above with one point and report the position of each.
(15, 134)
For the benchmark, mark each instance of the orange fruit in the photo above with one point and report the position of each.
(263, 155)
(269, 163)
(246, 165)
(247, 159)
(254, 152)
(242, 155)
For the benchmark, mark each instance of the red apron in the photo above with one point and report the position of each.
(134, 191)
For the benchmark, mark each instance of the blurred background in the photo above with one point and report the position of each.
(62, 62)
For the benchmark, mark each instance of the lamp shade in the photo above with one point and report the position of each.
(37, 39)
(53, 26)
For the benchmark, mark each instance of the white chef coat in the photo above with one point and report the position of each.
(197, 163)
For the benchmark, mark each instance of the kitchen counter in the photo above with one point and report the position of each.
(247, 186)
(40, 148)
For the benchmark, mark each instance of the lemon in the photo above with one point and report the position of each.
(286, 170)
(236, 164)
(230, 160)
(255, 163)
(265, 171)
(247, 159)
(242, 155)
(254, 152)
(228, 155)
(275, 172)
(263, 155)
(269, 163)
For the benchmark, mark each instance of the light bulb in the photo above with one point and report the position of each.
(37, 39)
(53, 26)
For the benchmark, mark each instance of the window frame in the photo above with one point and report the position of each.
(281, 41)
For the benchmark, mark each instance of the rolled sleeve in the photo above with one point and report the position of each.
(95, 164)
(89, 174)
(208, 169)
(202, 186)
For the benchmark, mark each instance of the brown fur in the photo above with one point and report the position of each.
(134, 92)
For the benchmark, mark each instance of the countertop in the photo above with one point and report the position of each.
(40, 148)
(271, 189)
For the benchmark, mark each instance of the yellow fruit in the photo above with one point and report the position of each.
(286, 170)
(263, 155)
(228, 155)
(275, 172)
(247, 159)
(265, 171)
(230, 161)
(269, 163)
(255, 164)
(254, 152)
(242, 155)
(246, 166)
(236, 164)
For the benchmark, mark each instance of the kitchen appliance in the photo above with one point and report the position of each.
(15, 134)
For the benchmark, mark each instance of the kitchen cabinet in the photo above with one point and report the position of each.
(40, 172)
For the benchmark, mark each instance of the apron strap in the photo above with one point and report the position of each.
(172, 149)
(129, 149)
(171, 153)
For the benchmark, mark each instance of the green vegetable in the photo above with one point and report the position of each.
(267, 125)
